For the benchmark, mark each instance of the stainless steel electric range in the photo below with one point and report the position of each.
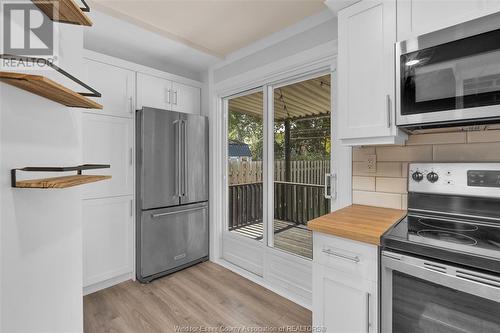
(441, 264)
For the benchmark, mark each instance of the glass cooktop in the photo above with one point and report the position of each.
(479, 238)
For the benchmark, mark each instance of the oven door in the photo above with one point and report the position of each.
(419, 295)
(452, 75)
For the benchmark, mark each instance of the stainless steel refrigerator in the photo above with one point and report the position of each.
(172, 192)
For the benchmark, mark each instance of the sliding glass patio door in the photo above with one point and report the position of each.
(302, 153)
(278, 151)
(245, 144)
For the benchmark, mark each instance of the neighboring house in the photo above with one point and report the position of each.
(239, 151)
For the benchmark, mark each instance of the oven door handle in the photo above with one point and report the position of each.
(465, 280)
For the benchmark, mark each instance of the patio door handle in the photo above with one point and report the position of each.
(331, 179)
(328, 179)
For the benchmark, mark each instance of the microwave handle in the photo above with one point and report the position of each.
(388, 106)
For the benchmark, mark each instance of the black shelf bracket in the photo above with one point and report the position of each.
(85, 7)
(78, 169)
(92, 93)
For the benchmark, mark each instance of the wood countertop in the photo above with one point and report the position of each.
(361, 223)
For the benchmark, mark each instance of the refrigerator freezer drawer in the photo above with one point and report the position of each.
(172, 237)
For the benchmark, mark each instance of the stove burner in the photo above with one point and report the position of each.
(447, 236)
(447, 225)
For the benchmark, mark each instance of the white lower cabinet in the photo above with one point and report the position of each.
(107, 238)
(345, 285)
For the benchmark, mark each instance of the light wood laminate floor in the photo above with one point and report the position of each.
(206, 295)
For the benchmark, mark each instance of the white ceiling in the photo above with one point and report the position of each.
(125, 40)
(216, 27)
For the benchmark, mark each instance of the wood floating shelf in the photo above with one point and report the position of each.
(45, 87)
(59, 182)
(64, 11)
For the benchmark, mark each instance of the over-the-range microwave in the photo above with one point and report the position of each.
(450, 77)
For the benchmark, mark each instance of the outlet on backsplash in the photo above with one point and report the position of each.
(371, 163)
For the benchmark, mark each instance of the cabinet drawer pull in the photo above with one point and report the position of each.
(340, 255)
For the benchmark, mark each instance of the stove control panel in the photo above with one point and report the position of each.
(472, 179)
(483, 178)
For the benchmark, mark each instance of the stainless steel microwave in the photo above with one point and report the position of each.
(451, 76)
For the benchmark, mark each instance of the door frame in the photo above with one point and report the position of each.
(323, 58)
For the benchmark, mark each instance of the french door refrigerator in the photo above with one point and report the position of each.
(172, 192)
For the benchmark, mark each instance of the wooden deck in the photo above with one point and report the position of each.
(287, 237)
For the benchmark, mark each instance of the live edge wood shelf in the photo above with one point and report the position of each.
(45, 87)
(59, 182)
(64, 11)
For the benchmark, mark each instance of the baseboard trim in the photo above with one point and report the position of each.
(107, 283)
(262, 282)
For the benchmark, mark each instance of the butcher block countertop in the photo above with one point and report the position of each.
(361, 223)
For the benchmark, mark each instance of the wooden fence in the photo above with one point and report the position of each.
(308, 172)
(298, 200)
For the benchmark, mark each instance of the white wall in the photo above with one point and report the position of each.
(303, 40)
(40, 230)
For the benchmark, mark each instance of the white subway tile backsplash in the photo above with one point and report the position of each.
(383, 169)
(483, 136)
(387, 187)
(404, 169)
(363, 183)
(379, 199)
(391, 185)
(404, 201)
(436, 138)
(404, 153)
(361, 153)
(474, 152)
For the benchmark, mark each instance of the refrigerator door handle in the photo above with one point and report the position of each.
(184, 167)
(177, 126)
(154, 216)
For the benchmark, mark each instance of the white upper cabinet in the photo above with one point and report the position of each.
(417, 17)
(153, 92)
(366, 73)
(164, 94)
(186, 98)
(109, 140)
(117, 86)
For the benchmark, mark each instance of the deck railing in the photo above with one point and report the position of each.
(245, 204)
(293, 202)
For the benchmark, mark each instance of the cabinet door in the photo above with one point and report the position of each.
(153, 92)
(185, 98)
(367, 32)
(117, 87)
(416, 17)
(109, 140)
(343, 303)
(107, 238)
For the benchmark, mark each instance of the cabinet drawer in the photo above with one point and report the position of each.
(346, 255)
